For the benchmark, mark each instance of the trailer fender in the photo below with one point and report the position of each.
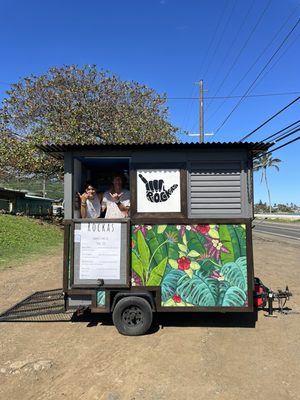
(145, 295)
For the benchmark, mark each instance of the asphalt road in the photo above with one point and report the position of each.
(287, 230)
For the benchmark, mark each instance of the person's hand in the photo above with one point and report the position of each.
(116, 197)
(156, 191)
(83, 197)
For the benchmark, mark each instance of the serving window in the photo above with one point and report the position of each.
(99, 171)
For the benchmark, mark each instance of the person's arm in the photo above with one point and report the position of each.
(123, 205)
(83, 200)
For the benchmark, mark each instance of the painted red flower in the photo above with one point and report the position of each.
(184, 263)
(202, 229)
(176, 298)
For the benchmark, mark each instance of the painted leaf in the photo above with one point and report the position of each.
(225, 238)
(154, 242)
(169, 303)
(137, 266)
(173, 251)
(196, 241)
(193, 253)
(182, 248)
(169, 283)
(173, 263)
(157, 273)
(213, 232)
(195, 265)
(236, 273)
(184, 240)
(240, 231)
(143, 248)
(189, 272)
(199, 290)
(231, 296)
(161, 228)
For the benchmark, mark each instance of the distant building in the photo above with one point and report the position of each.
(17, 201)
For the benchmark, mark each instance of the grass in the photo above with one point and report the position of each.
(22, 238)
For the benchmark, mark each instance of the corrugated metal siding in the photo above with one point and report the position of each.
(215, 189)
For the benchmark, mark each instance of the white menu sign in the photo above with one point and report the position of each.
(100, 250)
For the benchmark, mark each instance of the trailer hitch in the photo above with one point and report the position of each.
(263, 296)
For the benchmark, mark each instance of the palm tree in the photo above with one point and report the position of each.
(262, 163)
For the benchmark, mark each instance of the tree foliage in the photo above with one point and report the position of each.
(77, 105)
(264, 162)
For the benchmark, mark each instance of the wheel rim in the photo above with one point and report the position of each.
(133, 316)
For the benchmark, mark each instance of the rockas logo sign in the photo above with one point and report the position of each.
(155, 190)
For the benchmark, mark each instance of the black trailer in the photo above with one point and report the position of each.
(187, 243)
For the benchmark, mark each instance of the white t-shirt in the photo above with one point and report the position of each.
(112, 209)
(93, 207)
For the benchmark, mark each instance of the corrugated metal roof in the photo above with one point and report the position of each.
(57, 150)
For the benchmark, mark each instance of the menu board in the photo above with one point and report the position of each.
(97, 255)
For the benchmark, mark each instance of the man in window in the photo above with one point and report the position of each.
(116, 201)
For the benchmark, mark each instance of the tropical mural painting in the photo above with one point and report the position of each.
(101, 298)
(195, 265)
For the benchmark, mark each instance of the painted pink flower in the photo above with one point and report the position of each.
(215, 247)
(183, 228)
(217, 275)
(136, 280)
(142, 228)
(176, 298)
(184, 263)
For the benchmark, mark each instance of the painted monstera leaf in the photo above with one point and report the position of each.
(199, 290)
(231, 296)
(169, 283)
(101, 297)
(236, 273)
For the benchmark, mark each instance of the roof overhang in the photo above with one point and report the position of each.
(57, 150)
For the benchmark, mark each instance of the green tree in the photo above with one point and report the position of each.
(77, 105)
(262, 163)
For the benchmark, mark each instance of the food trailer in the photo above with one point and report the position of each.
(186, 245)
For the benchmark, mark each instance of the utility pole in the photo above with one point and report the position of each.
(201, 122)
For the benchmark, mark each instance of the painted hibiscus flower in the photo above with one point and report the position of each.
(184, 263)
(201, 228)
(215, 247)
(176, 298)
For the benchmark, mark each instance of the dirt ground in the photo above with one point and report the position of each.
(185, 356)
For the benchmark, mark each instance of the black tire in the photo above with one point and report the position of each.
(132, 316)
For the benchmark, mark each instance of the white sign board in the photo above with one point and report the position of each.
(158, 190)
(100, 250)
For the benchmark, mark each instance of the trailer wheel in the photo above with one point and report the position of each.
(132, 316)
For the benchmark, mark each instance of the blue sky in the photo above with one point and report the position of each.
(169, 45)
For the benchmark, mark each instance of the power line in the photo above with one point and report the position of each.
(244, 45)
(270, 119)
(234, 97)
(259, 56)
(282, 137)
(258, 76)
(283, 145)
(282, 130)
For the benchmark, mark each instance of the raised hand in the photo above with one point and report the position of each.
(156, 191)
